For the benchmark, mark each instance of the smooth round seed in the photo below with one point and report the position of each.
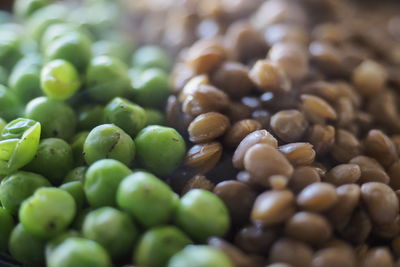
(317, 197)
(343, 174)
(302, 177)
(300, 254)
(298, 153)
(203, 157)
(207, 126)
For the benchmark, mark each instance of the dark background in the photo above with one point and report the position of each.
(5, 4)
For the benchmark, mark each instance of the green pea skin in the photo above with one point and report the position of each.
(52, 244)
(10, 106)
(7, 225)
(201, 214)
(53, 160)
(10, 48)
(200, 256)
(48, 212)
(76, 174)
(75, 189)
(57, 118)
(109, 141)
(89, 116)
(102, 180)
(57, 30)
(107, 77)
(145, 197)
(3, 75)
(150, 57)
(2, 124)
(111, 228)
(25, 247)
(160, 149)
(59, 79)
(158, 245)
(77, 148)
(25, 8)
(154, 117)
(17, 187)
(128, 116)
(79, 252)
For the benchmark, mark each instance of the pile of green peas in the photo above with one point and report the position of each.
(84, 148)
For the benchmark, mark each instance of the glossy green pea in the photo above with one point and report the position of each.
(25, 78)
(158, 245)
(25, 8)
(59, 239)
(59, 79)
(10, 48)
(73, 47)
(48, 212)
(149, 200)
(153, 139)
(151, 89)
(77, 147)
(200, 256)
(90, 116)
(109, 141)
(25, 247)
(111, 228)
(57, 30)
(6, 226)
(154, 117)
(106, 78)
(76, 174)
(53, 160)
(150, 57)
(78, 252)
(201, 214)
(110, 48)
(75, 189)
(57, 118)
(10, 106)
(17, 187)
(128, 116)
(19, 145)
(102, 180)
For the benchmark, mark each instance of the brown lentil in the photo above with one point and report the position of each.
(379, 146)
(240, 130)
(317, 197)
(289, 125)
(343, 174)
(302, 177)
(298, 153)
(256, 239)
(322, 137)
(371, 170)
(269, 77)
(334, 257)
(203, 157)
(207, 126)
(300, 254)
(199, 182)
(377, 257)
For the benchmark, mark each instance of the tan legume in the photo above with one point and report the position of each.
(240, 130)
(256, 239)
(358, 228)
(343, 174)
(369, 77)
(317, 197)
(199, 182)
(334, 257)
(316, 109)
(379, 146)
(269, 77)
(300, 254)
(371, 170)
(203, 157)
(346, 147)
(208, 126)
(377, 257)
(302, 177)
(298, 154)
(289, 125)
(322, 137)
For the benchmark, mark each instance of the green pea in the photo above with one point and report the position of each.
(75, 189)
(10, 48)
(76, 174)
(109, 141)
(111, 228)
(17, 187)
(158, 245)
(102, 180)
(25, 78)
(7, 225)
(154, 117)
(19, 145)
(25, 8)
(90, 116)
(151, 88)
(47, 212)
(149, 200)
(153, 139)
(200, 256)
(10, 106)
(3, 75)
(59, 239)
(77, 147)
(201, 214)
(151, 57)
(59, 79)
(25, 247)
(2, 124)
(110, 48)
(53, 160)
(57, 30)
(57, 118)
(123, 113)
(106, 78)
(78, 252)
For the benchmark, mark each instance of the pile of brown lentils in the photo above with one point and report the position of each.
(294, 123)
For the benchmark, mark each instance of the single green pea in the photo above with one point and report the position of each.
(160, 149)
(52, 244)
(53, 160)
(90, 116)
(151, 89)
(111, 228)
(47, 212)
(109, 141)
(25, 247)
(110, 48)
(10, 106)
(102, 180)
(25, 8)
(59, 79)
(75, 189)
(76, 174)
(154, 117)
(149, 200)
(158, 245)
(3, 75)
(78, 252)
(74, 47)
(57, 30)
(2, 124)
(201, 214)
(77, 147)
(128, 116)
(151, 57)
(17, 187)
(7, 225)
(57, 118)
(107, 77)
(25, 78)
(10, 48)
(200, 256)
